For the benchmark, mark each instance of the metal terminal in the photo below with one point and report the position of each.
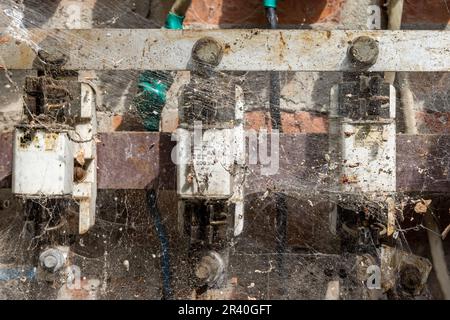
(207, 51)
(363, 52)
(52, 259)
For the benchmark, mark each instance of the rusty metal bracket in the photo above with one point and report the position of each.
(243, 50)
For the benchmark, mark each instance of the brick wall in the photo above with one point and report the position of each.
(298, 12)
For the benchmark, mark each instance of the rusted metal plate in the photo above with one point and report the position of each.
(136, 160)
(244, 50)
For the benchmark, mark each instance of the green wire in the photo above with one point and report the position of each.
(174, 21)
(270, 3)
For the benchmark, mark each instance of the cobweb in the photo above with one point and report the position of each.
(121, 255)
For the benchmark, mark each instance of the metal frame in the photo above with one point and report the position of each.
(243, 50)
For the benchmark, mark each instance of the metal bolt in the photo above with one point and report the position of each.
(363, 52)
(207, 51)
(410, 278)
(52, 259)
(50, 262)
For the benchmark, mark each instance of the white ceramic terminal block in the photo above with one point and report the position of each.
(204, 167)
(363, 151)
(208, 160)
(44, 159)
(209, 163)
(43, 163)
(363, 157)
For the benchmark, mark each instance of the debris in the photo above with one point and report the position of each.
(126, 264)
(332, 291)
(266, 271)
(80, 157)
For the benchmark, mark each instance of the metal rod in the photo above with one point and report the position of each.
(275, 117)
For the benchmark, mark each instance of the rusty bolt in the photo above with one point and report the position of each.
(207, 51)
(363, 52)
(410, 278)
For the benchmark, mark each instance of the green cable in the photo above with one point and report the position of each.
(153, 86)
(270, 3)
(174, 21)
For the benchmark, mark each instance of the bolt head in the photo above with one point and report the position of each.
(207, 51)
(50, 262)
(363, 52)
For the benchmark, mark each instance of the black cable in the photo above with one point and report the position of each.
(275, 116)
(275, 89)
(164, 241)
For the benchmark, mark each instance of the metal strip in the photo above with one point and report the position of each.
(243, 50)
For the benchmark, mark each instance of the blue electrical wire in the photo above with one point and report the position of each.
(164, 241)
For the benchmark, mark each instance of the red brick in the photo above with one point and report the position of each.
(236, 12)
(427, 11)
(434, 123)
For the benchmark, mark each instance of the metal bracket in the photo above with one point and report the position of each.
(243, 50)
